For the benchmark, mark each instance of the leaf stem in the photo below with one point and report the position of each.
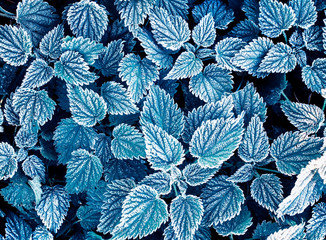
(231, 237)
(6, 12)
(285, 37)
(267, 170)
(283, 94)
(324, 105)
(175, 190)
(7, 16)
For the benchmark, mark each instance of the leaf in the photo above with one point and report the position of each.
(305, 117)
(160, 181)
(293, 150)
(225, 51)
(187, 65)
(222, 200)
(221, 13)
(51, 213)
(250, 57)
(87, 19)
(296, 40)
(174, 7)
(117, 99)
(169, 31)
(38, 74)
(186, 214)
(139, 75)
(103, 148)
(314, 76)
(162, 150)
(204, 33)
(275, 17)
(316, 229)
(313, 38)
(243, 174)
(279, 59)
(115, 194)
(305, 12)
(196, 175)
(8, 162)
(264, 229)
(211, 84)
(291, 233)
(251, 9)
(73, 69)
(34, 167)
(15, 45)
(254, 146)
(41, 233)
(84, 170)
(17, 228)
(158, 103)
(245, 30)
(36, 186)
(86, 106)
(50, 44)
(215, 141)
(26, 137)
(143, 212)
(88, 217)
(128, 142)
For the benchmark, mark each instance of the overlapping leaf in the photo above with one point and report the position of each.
(316, 229)
(174, 7)
(160, 181)
(243, 174)
(204, 33)
(314, 76)
(305, 12)
(291, 233)
(8, 161)
(196, 175)
(17, 228)
(50, 44)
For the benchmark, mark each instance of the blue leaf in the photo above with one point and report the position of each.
(158, 103)
(36, 186)
(50, 44)
(204, 33)
(235, 226)
(275, 17)
(245, 30)
(143, 212)
(186, 214)
(251, 9)
(86, 106)
(320, 5)
(15, 45)
(250, 57)
(305, 12)
(296, 40)
(116, 192)
(209, 111)
(108, 60)
(222, 201)
(174, 7)
(305, 117)
(187, 65)
(202, 233)
(314, 76)
(254, 146)
(17, 228)
(313, 38)
(243, 174)
(8, 162)
(162, 150)
(70, 136)
(38, 74)
(295, 232)
(41, 233)
(225, 50)
(139, 75)
(211, 84)
(128, 142)
(279, 59)
(196, 175)
(205, 53)
(51, 213)
(117, 99)
(87, 19)
(316, 229)
(160, 181)
(169, 31)
(264, 229)
(130, 119)
(73, 69)
(95, 196)
(293, 150)
(84, 170)
(34, 167)
(88, 217)
(26, 137)
(301, 57)
(221, 13)
(102, 148)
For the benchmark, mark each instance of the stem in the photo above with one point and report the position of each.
(7, 16)
(231, 237)
(283, 94)
(6, 12)
(175, 190)
(267, 170)
(324, 105)
(285, 38)
(256, 174)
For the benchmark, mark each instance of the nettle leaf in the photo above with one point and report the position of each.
(33, 105)
(293, 150)
(84, 170)
(251, 10)
(296, 40)
(117, 99)
(50, 44)
(245, 30)
(160, 181)
(305, 117)
(279, 59)
(169, 31)
(243, 174)
(36, 186)
(275, 17)
(143, 212)
(51, 213)
(187, 65)
(38, 74)
(226, 50)
(174, 7)
(139, 75)
(102, 148)
(211, 84)
(86, 106)
(162, 150)
(316, 229)
(204, 33)
(34, 167)
(313, 38)
(250, 57)
(222, 14)
(15, 45)
(291, 233)
(215, 141)
(196, 175)
(88, 217)
(128, 142)
(264, 229)
(17, 228)
(87, 19)
(158, 103)
(314, 76)
(209, 111)
(73, 69)
(222, 200)
(254, 146)
(186, 214)
(116, 192)
(26, 137)
(305, 12)
(8, 162)
(41, 233)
